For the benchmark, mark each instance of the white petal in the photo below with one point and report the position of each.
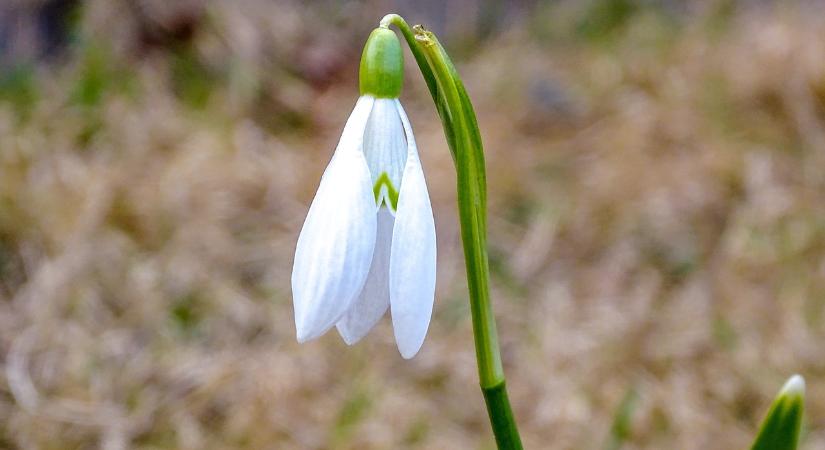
(413, 255)
(375, 297)
(385, 146)
(335, 247)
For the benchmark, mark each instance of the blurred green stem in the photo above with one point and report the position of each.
(463, 138)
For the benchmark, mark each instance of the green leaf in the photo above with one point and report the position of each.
(780, 429)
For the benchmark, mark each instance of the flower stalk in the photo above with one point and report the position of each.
(464, 140)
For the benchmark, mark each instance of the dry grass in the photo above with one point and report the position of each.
(657, 233)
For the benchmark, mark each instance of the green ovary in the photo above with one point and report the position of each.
(392, 193)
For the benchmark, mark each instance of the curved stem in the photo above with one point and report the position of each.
(463, 138)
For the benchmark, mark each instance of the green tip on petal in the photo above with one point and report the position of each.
(781, 427)
(382, 65)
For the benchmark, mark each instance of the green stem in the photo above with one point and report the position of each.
(463, 138)
(501, 417)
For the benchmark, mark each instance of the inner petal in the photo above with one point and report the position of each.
(374, 299)
(385, 148)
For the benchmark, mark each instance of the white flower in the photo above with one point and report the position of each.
(368, 242)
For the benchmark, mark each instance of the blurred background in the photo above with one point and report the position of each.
(656, 174)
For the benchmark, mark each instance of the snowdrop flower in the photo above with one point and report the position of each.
(368, 242)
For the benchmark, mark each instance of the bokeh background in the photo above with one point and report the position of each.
(657, 223)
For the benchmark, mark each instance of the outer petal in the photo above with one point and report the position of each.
(413, 255)
(375, 297)
(335, 247)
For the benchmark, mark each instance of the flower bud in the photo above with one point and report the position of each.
(382, 65)
(780, 428)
